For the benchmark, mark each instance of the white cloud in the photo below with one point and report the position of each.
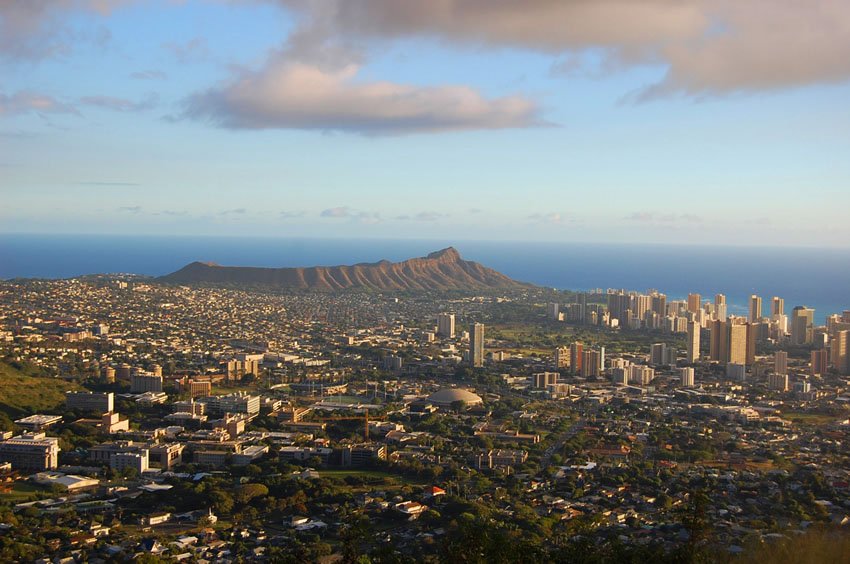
(292, 95)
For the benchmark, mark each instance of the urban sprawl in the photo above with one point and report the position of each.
(169, 423)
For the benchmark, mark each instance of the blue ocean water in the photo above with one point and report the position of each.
(818, 278)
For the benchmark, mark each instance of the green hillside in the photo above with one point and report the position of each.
(21, 394)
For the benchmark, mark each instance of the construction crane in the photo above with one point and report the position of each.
(364, 418)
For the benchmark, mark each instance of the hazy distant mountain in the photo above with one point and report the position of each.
(441, 270)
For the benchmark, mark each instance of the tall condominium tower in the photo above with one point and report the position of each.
(802, 325)
(777, 307)
(755, 308)
(720, 307)
(693, 342)
(780, 362)
(840, 351)
(476, 344)
(446, 325)
(694, 302)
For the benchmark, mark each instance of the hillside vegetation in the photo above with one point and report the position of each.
(22, 394)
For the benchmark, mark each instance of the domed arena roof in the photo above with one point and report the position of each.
(448, 396)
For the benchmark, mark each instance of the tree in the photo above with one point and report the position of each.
(246, 492)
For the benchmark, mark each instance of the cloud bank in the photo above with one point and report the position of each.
(292, 95)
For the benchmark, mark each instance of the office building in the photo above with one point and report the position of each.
(476, 345)
(238, 402)
(542, 379)
(802, 325)
(755, 309)
(553, 311)
(138, 461)
(446, 325)
(90, 401)
(196, 388)
(693, 342)
(38, 421)
(31, 451)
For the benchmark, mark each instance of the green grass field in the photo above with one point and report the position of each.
(21, 492)
(812, 419)
(22, 395)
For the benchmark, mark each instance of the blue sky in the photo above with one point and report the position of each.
(610, 121)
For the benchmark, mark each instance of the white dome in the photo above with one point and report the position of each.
(448, 396)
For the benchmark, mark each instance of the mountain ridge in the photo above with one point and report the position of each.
(441, 270)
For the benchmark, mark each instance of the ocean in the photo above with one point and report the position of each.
(818, 278)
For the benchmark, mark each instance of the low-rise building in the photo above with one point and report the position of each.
(31, 451)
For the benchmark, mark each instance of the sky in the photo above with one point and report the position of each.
(639, 121)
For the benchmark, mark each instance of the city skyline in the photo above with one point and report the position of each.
(357, 119)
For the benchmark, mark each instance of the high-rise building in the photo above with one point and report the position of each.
(553, 311)
(662, 355)
(719, 341)
(590, 363)
(780, 362)
(659, 304)
(562, 357)
(576, 352)
(777, 382)
(446, 325)
(777, 307)
(755, 309)
(802, 325)
(839, 347)
(694, 303)
(581, 301)
(693, 342)
(640, 375)
(686, 377)
(819, 362)
(752, 339)
(737, 343)
(720, 307)
(476, 345)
